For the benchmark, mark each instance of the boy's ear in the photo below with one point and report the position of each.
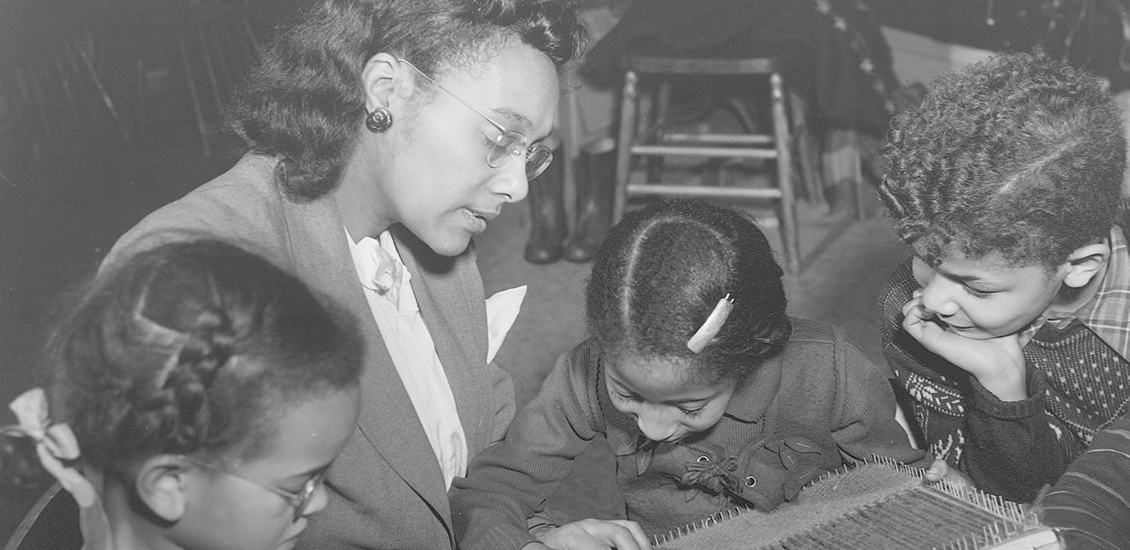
(1086, 262)
(383, 76)
(161, 485)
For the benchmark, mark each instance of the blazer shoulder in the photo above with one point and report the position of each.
(240, 206)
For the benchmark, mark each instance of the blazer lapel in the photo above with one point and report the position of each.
(320, 253)
(450, 294)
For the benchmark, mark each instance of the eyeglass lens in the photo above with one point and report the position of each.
(512, 144)
(307, 495)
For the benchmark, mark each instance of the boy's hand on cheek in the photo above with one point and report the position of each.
(997, 363)
(594, 534)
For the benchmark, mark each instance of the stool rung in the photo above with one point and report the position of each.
(657, 150)
(740, 139)
(697, 191)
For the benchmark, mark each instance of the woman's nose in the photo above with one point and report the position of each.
(511, 181)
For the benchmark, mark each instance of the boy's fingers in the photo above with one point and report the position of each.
(938, 470)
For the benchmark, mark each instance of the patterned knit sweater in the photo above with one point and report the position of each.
(1076, 383)
(819, 403)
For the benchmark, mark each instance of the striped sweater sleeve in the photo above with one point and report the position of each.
(1090, 504)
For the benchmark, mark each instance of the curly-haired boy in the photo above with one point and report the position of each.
(1010, 326)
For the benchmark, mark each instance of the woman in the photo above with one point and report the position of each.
(383, 135)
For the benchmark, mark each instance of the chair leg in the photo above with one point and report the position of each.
(195, 96)
(106, 100)
(657, 128)
(788, 228)
(206, 52)
(808, 152)
(624, 144)
(139, 111)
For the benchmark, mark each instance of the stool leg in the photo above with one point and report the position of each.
(807, 150)
(784, 176)
(656, 130)
(624, 144)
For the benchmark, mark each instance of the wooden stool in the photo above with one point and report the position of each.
(649, 141)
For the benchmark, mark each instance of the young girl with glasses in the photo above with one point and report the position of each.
(708, 394)
(199, 395)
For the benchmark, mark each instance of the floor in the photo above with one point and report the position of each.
(56, 225)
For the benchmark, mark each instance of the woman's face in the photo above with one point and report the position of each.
(234, 510)
(434, 178)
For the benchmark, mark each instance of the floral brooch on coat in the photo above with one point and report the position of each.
(764, 474)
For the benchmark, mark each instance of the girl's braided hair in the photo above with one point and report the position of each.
(193, 347)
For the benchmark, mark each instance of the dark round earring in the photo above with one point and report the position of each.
(379, 120)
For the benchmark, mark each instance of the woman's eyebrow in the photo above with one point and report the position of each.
(512, 116)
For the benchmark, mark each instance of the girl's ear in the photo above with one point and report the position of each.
(1085, 263)
(161, 484)
(383, 77)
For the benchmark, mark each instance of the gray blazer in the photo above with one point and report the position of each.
(386, 489)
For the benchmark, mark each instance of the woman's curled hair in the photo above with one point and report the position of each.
(304, 103)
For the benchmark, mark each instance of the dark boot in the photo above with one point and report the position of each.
(595, 185)
(547, 214)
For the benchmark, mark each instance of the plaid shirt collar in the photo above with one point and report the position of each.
(1107, 313)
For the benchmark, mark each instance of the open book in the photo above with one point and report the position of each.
(878, 505)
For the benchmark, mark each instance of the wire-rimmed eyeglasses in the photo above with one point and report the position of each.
(299, 501)
(509, 144)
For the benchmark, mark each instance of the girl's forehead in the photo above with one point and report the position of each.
(658, 378)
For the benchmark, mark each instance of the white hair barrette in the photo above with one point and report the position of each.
(709, 329)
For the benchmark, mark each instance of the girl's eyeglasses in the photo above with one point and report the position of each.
(509, 144)
(299, 501)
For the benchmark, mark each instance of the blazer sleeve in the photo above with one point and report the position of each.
(503, 402)
(510, 481)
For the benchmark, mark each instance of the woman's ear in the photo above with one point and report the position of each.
(383, 78)
(1085, 263)
(161, 484)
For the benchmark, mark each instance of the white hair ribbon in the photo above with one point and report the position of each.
(58, 449)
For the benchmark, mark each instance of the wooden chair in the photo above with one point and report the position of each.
(652, 140)
(60, 109)
(211, 44)
(51, 524)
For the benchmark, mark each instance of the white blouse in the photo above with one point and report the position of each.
(389, 293)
